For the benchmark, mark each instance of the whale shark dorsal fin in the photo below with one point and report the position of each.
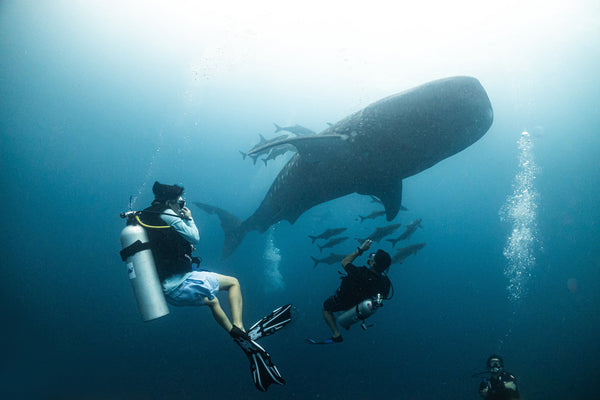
(390, 196)
(304, 144)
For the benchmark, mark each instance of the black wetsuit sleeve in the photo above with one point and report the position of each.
(350, 268)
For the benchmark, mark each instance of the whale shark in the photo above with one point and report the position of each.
(369, 152)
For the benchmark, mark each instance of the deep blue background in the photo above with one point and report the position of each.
(88, 120)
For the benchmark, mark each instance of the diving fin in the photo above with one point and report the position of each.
(270, 324)
(331, 340)
(264, 372)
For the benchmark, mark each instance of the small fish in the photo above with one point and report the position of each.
(262, 142)
(393, 241)
(410, 229)
(404, 252)
(328, 233)
(373, 215)
(254, 157)
(297, 130)
(330, 259)
(278, 151)
(333, 242)
(380, 233)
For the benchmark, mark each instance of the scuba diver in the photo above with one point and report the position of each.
(500, 385)
(360, 285)
(172, 234)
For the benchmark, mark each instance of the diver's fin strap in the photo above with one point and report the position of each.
(134, 248)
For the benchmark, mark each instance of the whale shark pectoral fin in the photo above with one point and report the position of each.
(306, 145)
(391, 198)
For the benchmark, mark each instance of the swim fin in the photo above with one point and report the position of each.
(332, 340)
(271, 323)
(264, 372)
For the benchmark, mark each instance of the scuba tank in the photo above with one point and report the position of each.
(360, 312)
(141, 269)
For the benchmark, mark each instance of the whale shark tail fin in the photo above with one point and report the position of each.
(232, 228)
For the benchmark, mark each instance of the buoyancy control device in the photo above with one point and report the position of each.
(141, 269)
(360, 312)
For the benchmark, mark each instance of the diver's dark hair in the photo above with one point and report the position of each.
(382, 261)
(166, 192)
(494, 357)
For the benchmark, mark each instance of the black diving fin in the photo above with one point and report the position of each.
(264, 372)
(273, 322)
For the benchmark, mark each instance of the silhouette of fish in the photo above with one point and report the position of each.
(373, 215)
(380, 233)
(369, 152)
(257, 150)
(297, 130)
(330, 259)
(404, 252)
(278, 151)
(333, 242)
(410, 229)
(328, 233)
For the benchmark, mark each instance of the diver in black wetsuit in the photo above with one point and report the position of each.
(359, 284)
(500, 385)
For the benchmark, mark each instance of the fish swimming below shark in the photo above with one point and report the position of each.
(327, 234)
(404, 252)
(373, 215)
(333, 242)
(369, 152)
(333, 258)
(380, 233)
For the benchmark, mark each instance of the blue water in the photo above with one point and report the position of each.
(100, 99)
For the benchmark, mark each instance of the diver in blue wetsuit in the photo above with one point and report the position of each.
(172, 234)
(359, 283)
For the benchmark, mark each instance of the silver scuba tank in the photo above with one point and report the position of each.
(360, 312)
(142, 274)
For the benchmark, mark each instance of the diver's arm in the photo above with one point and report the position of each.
(359, 250)
(185, 227)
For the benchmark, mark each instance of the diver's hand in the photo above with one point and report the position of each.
(186, 213)
(365, 245)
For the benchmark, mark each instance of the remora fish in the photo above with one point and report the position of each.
(404, 252)
(297, 130)
(257, 150)
(380, 233)
(328, 233)
(410, 229)
(330, 259)
(373, 215)
(332, 242)
(370, 152)
(278, 151)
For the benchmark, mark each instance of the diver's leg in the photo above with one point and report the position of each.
(330, 321)
(218, 313)
(234, 296)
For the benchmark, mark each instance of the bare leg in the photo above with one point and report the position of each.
(234, 296)
(330, 321)
(218, 313)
